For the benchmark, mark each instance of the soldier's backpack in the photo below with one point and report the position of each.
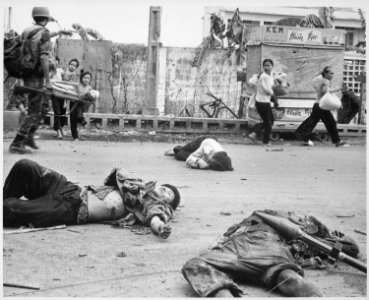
(18, 58)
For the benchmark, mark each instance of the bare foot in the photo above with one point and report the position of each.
(169, 153)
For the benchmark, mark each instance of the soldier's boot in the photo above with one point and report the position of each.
(18, 146)
(30, 139)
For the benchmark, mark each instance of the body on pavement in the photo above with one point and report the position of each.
(38, 196)
(254, 252)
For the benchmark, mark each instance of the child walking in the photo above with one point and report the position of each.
(59, 106)
(78, 108)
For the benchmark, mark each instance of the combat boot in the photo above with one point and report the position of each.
(17, 146)
(30, 140)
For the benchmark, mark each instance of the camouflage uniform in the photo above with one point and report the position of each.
(255, 252)
(38, 104)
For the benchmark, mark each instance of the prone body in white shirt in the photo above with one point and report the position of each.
(210, 155)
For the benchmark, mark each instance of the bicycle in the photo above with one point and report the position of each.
(218, 105)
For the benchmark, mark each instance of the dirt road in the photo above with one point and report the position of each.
(98, 260)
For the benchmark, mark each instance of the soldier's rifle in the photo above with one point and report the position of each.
(292, 231)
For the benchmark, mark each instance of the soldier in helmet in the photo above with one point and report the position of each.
(36, 195)
(36, 53)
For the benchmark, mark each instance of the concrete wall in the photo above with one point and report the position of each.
(179, 83)
(94, 57)
(187, 85)
(128, 80)
(119, 73)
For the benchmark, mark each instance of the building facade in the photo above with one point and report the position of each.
(348, 19)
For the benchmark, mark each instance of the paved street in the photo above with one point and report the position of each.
(98, 260)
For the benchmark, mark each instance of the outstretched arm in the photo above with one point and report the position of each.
(160, 228)
(61, 32)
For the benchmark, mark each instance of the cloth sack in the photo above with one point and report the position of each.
(252, 100)
(281, 86)
(253, 82)
(330, 101)
(280, 89)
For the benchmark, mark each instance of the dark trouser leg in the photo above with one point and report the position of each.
(63, 111)
(258, 129)
(31, 180)
(57, 106)
(183, 152)
(194, 144)
(51, 198)
(74, 119)
(306, 128)
(48, 210)
(266, 114)
(81, 110)
(180, 154)
(330, 124)
(206, 279)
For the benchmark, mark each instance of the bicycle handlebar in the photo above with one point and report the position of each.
(211, 95)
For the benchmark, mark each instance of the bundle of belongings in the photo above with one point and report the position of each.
(281, 86)
(65, 91)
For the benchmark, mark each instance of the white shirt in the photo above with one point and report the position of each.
(264, 89)
(200, 158)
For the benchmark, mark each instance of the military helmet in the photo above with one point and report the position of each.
(41, 12)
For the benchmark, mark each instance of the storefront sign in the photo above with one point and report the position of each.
(304, 36)
(284, 114)
(297, 113)
(297, 35)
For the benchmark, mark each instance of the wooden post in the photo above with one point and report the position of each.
(152, 76)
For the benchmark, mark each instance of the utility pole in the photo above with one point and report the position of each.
(362, 79)
(152, 75)
(9, 26)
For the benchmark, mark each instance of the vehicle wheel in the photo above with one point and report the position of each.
(324, 137)
(274, 136)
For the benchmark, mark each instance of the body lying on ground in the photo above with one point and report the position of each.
(36, 196)
(203, 153)
(254, 252)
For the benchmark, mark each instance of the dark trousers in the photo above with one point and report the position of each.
(75, 117)
(59, 113)
(51, 198)
(38, 107)
(306, 128)
(183, 152)
(265, 111)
